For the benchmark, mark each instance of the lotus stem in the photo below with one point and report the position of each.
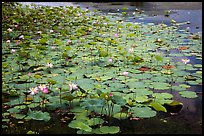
(60, 96)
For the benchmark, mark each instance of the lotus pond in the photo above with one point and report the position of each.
(72, 70)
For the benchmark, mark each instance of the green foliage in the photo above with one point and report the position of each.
(39, 115)
(77, 124)
(92, 44)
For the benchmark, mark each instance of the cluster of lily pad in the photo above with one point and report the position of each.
(96, 66)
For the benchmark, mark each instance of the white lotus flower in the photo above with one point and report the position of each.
(34, 90)
(21, 37)
(131, 50)
(185, 60)
(9, 29)
(72, 87)
(13, 51)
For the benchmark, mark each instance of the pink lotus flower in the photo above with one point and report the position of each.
(43, 88)
(115, 35)
(13, 51)
(17, 42)
(51, 31)
(72, 87)
(111, 94)
(185, 60)
(15, 26)
(8, 41)
(110, 60)
(34, 90)
(50, 65)
(69, 41)
(125, 73)
(29, 74)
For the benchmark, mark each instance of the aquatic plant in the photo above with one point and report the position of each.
(89, 64)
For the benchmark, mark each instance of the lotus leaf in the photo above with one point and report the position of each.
(184, 86)
(120, 115)
(77, 124)
(136, 84)
(118, 100)
(95, 121)
(109, 129)
(188, 94)
(13, 110)
(160, 85)
(143, 112)
(162, 95)
(92, 104)
(18, 116)
(158, 107)
(178, 88)
(39, 115)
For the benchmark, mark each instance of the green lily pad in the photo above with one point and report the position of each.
(160, 85)
(39, 115)
(95, 121)
(162, 95)
(109, 129)
(188, 94)
(118, 100)
(92, 104)
(158, 107)
(78, 124)
(143, 112)
(184, 86)
(120, 115)
(141, 99)
(19, 116)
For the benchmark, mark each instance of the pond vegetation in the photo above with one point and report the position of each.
(87, 69)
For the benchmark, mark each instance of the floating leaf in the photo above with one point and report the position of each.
(184, 86)
(51, 81)
(118, 100)
(109, 129)
(143, 112)
(39, 115)
(188, 94)
(77, 124)
(160, 85)
(13, 110)
(18, 116)
(120, 115)
(95, 121)
(158, 107)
